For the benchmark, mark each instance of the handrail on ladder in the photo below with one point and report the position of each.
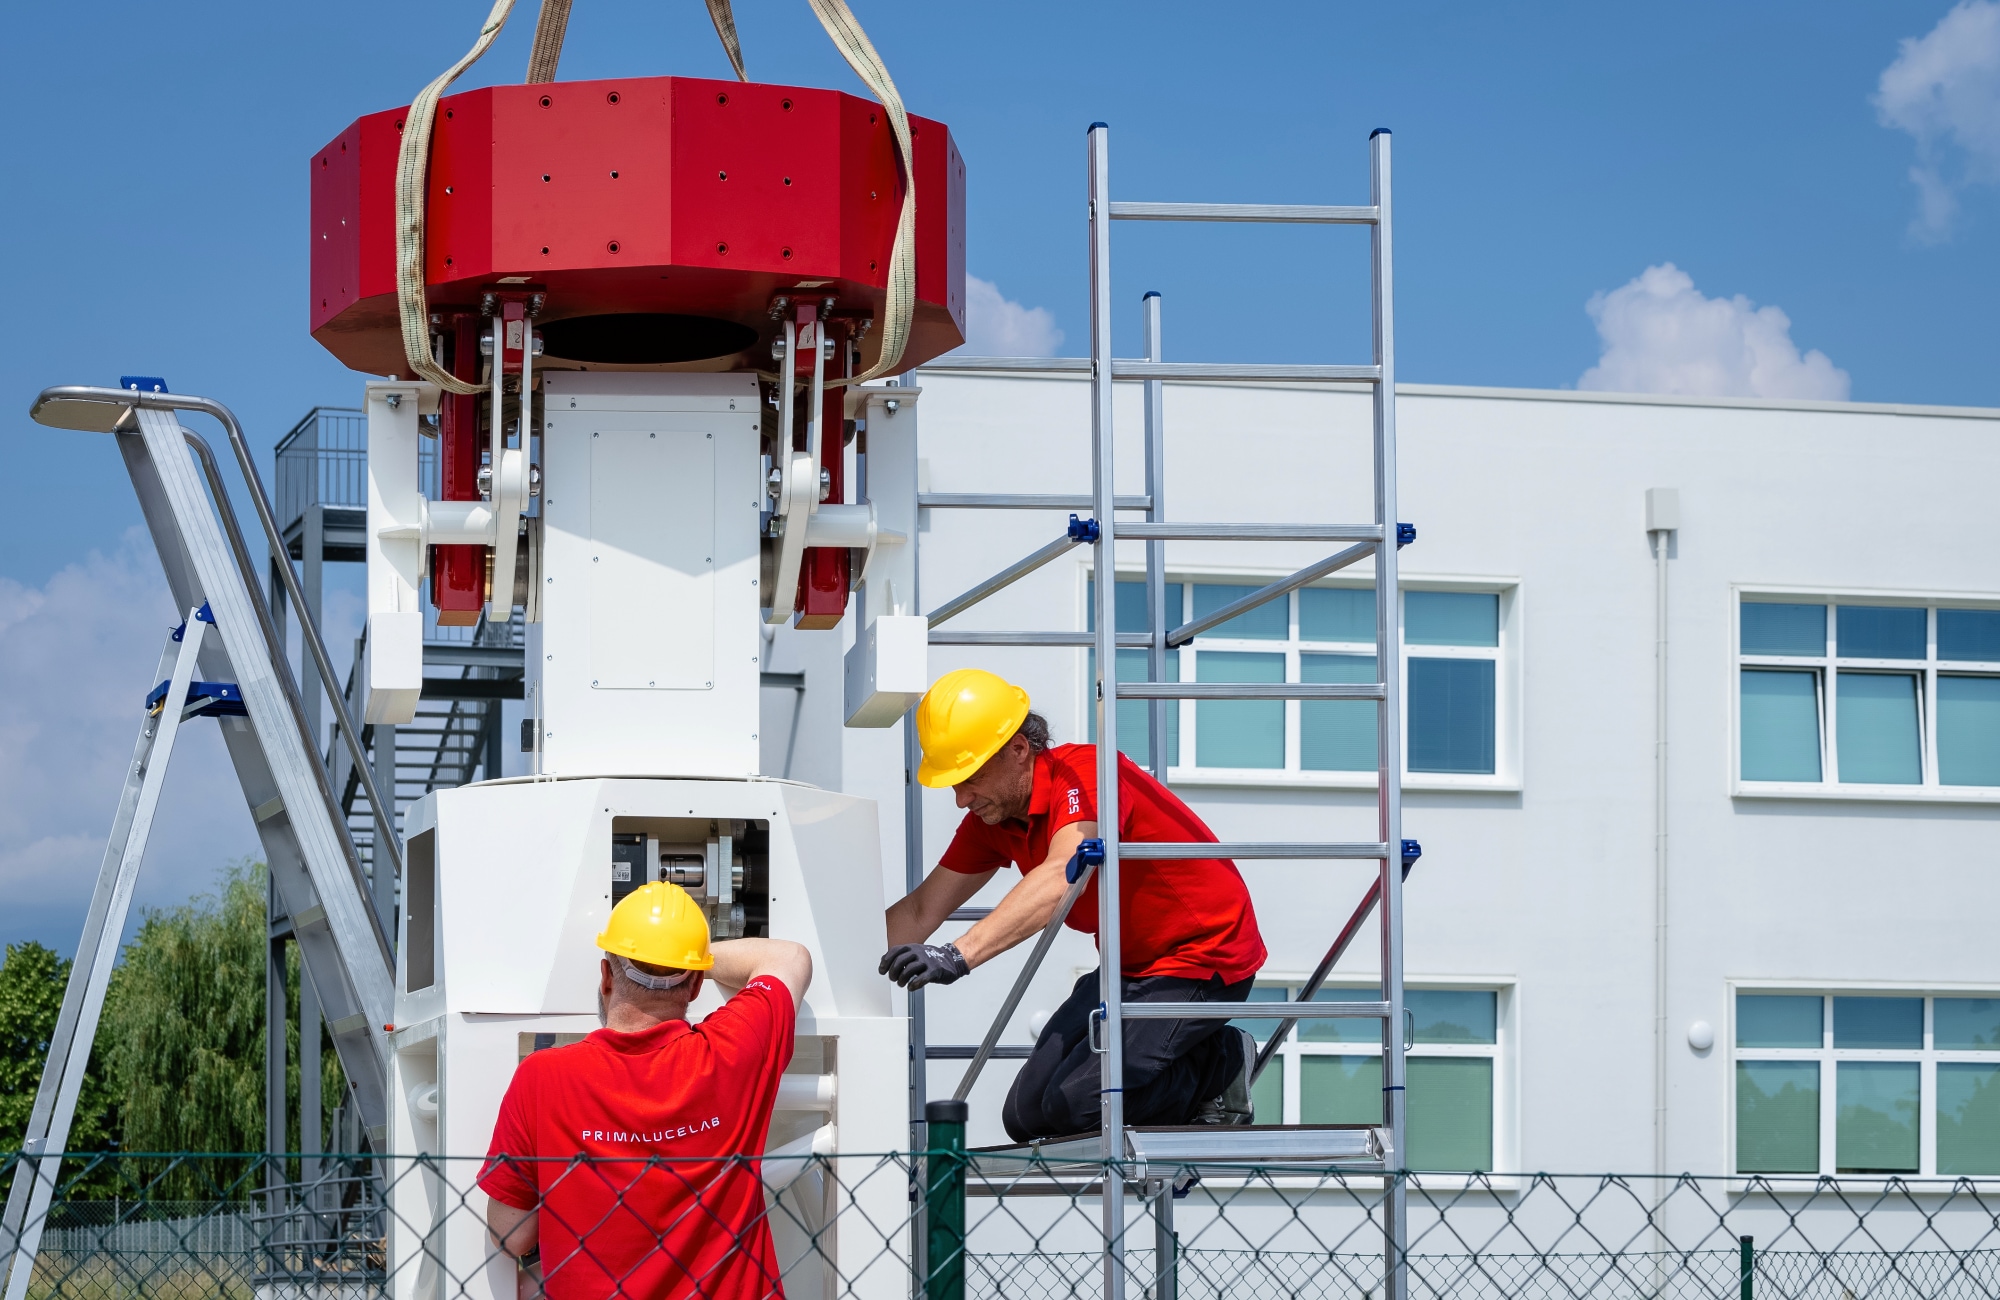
(308, 633)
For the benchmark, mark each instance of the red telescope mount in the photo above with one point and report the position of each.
(651, 223)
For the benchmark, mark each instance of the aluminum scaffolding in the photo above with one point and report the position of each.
(1152, 1153)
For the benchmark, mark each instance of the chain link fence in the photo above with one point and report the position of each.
(944, 1225)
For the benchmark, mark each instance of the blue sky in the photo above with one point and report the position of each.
(1552, 161)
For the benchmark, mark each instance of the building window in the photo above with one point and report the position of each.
(1862, 698)
(1454, 648)
(1453, 659)
(1843, 1084)
(1330, 1072)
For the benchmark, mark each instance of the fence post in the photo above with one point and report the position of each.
(944, 1201)
(1746, 1265)
(1166, 1243)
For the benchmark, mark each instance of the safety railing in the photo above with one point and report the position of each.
(1025, 1227)
(323, 460)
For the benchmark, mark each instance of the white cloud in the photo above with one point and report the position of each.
(1944, 89)
(1660, 335)
(77, 653)
(997, 326)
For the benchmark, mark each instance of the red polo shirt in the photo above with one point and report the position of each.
(1191, 918)
(659, 1210)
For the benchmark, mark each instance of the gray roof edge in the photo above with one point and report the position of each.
(1667, 399)
(1071, 373)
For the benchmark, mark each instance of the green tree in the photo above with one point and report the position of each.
(32, 980)
(183, 1032)
(178, 1064)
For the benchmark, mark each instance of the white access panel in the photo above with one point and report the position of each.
(652, 534)
(647, 661)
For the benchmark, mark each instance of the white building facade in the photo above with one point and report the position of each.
(1832, 814)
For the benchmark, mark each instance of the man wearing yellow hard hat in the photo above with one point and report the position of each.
(662, 1110)
(1189, 932)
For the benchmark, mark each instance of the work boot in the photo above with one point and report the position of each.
(1231, 1107)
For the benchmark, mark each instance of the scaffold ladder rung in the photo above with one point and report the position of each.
(1248, 690)
(1022, 501)
(1248, 849)
(1311, 214)
(1229, 372)
(1222, 532)
(1079, 640)
(1257, 1010)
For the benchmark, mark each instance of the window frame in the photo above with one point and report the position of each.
(1506, 776)
(1826, 667)
(1828, 1057)
(1502, 1051)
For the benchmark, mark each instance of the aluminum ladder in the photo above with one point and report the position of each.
(226, 660)
(1379, 540)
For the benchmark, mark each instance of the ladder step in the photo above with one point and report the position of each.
(1023, 501)
(1082, 640)
(1043, 365)
(1312, 214)
(1362, 1145)
(1229, 849)
(215, 699)
(966, 1051)
(1254, 1010)
(1249, 690)
(1234, 372)
(970, 914)
(1014, 1168)
(1219, 532)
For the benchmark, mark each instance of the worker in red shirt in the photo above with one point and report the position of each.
(627, 1164)
(1190, 934)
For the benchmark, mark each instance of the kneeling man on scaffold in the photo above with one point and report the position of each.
(1190, 934)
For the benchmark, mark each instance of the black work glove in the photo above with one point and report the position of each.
(915, 965)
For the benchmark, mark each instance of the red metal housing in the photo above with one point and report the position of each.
(663, 195)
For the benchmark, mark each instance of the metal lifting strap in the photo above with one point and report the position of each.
(413, 165)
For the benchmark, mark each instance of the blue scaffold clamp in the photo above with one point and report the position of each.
(1088, 854)
(1411, 852)
(142, 383)
(1084, 530)
(209, 699)
(204, 614)
(1405, 534)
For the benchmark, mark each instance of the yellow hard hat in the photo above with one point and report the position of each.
(965, 718)
(660, 924)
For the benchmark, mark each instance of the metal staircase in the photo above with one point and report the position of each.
(1158, 1159)
(457, 736)
(322, 500)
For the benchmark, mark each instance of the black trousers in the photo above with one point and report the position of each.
(1171, 1066)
